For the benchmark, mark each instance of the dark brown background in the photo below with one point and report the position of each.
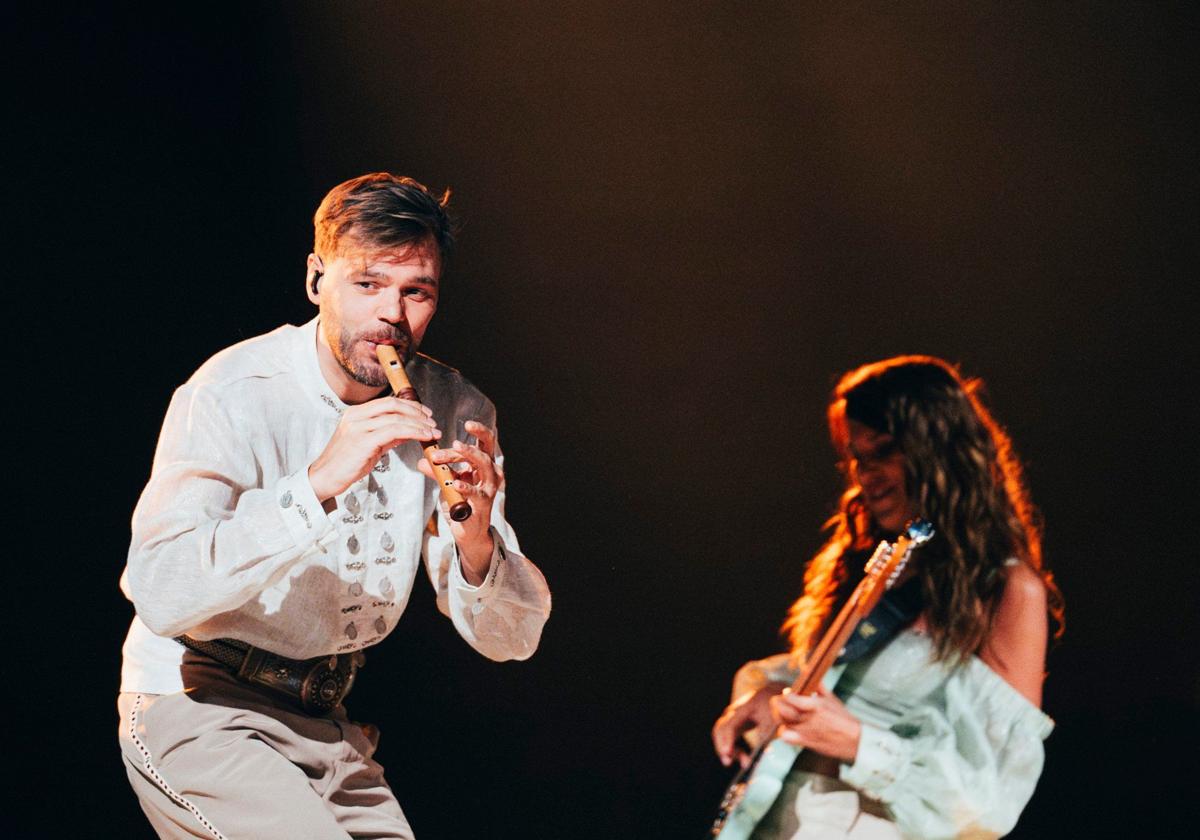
(681, 223)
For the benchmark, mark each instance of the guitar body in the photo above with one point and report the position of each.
(761, 790)
(751, 799)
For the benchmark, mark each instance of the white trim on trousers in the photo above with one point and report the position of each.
(152, 772)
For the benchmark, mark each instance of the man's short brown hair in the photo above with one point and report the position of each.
(382, 212)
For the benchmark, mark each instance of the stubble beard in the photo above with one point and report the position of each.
(370, 372)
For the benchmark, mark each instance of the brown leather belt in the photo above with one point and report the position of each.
(317, 685)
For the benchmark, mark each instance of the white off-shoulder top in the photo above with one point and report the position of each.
(950, 750)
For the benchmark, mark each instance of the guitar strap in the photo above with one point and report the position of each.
(898, 608)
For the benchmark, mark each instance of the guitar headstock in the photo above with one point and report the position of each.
(889, 559)
(919, 531)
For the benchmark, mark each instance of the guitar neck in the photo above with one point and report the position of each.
(860, 603)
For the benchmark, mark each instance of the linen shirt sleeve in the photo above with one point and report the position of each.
(962, 764)
(206, 537)
(503, 616)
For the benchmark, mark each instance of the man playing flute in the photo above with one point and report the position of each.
(281, 531)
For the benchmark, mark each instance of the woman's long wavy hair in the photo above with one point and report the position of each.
(965, 479)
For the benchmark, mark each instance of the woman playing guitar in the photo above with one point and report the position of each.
(934, 730)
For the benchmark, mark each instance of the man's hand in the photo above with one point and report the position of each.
(750, 712)
(818, 722)
(362, 435)
(478, 482)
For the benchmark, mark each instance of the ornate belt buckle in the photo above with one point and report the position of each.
(328, 682)
(318, 684)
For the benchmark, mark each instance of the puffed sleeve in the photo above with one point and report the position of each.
(503, 616)
(963, 763)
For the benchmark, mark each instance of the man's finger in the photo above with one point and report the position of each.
(468, 489)
(382, 421)
(447, 456)
(484, 435)
(473, 455)
(389, 405)
(479, 463)
(398, 431)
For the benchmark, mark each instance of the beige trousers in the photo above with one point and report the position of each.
(815, 807)
(227, 760)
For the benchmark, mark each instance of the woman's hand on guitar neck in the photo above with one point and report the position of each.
(818, 722)
(747, 716)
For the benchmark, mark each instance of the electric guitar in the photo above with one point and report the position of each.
(755, 788)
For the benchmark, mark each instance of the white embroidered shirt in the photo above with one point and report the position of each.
(229, 539)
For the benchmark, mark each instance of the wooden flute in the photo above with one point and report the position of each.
(393, 369)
